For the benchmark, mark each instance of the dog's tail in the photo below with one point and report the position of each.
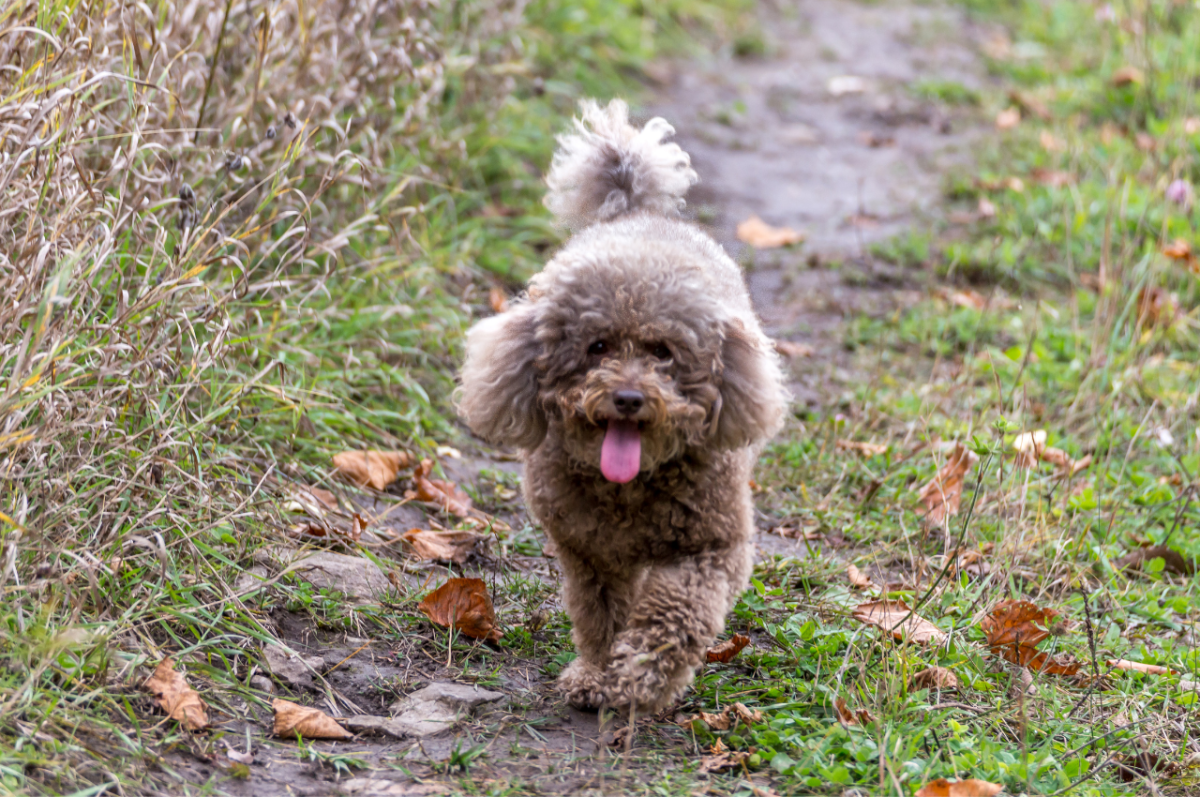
(607, 168)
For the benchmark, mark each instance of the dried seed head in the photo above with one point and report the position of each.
(186, 195)
(234, 163)
(290, 120)
(271, 133)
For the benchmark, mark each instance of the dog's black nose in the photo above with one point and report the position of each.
(629, 402)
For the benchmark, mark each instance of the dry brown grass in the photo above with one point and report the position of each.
(163, 170)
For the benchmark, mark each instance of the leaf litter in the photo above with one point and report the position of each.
(372, 468)
(959, 788)
(898, 620)
(942, 496)
(1014, 628)
(454, 547)
(311, 723)
(727, 650)
(463, 603)
(446, 495)
(174, 696)
(757, 233)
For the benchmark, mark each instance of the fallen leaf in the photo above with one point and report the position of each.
(760, 235)
(445, 494)
(1014, 628)
(722, 759)
(375, 469)
(1052, 177)
(724, 652)
(1141, 766)
(865, 449)
(1145, 142)
(730, 717)
(987, 208)
(966, 298)
(858, 579)
(1156, 307)
(444, 546)
(174, 696)
(1179, 249)
(498, 300)
(312, 500)
(1127, 75)
(934, 678)
(794, 351)
(334, 532)
(791, 532)
(898, 620)
(847, 717)
(943, 494)
(238, 756)
(311, 723)
(1050, 142)
(1191, 125)
(1008, 118)
(1138, 666)
(463, 602)
(960, 788)
(1173, 561)
(1031, 104)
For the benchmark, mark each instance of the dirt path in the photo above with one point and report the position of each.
(768, 137)
(828, 135)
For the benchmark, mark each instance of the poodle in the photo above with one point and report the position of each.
(640, 386)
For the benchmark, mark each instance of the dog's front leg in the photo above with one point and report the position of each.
(598, 604)
(678, 613)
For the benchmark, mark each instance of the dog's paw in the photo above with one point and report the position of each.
(648, 681)
(583, 686)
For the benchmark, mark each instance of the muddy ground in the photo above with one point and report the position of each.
(785, 136)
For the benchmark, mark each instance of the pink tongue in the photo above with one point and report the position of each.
(621, 455)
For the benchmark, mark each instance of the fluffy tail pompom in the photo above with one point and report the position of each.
(607, 168)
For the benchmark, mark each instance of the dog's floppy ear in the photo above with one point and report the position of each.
(498, 398)
(752, 399)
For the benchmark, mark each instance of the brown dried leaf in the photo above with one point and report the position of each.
(465, 603)
(1052, 178)
(943, 494)
(760, 235)
(968, 298)
(375, 469)
(858, 716)
(1051, 142)
(1142, 766)
(1008, 118)
(174, 696)
(1031, 104)
(730, 717)
(934, 678)
(724, 652)
(443, 546)
(722, 759)
(1156, 307)
(858, 579)
(865, 449)
(498, 299)
(1138, 666)
(961, 788)
(987, 208)
(1173, 561)
(1179, 249)
(311, 723)
(332, 532)
(445, 494)
(891, 617)
(1014, 629)
(794, 351)
(1127, 75)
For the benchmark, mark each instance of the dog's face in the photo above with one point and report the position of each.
(634, 385)
(632, 355)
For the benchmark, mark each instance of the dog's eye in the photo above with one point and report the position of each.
(661, 351)
(599, 347)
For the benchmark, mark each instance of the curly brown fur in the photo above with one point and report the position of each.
(637, 379)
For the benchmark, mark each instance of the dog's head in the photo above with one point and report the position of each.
(632, 353)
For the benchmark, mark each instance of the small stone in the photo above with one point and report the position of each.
(293, 669)
(437, 707)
